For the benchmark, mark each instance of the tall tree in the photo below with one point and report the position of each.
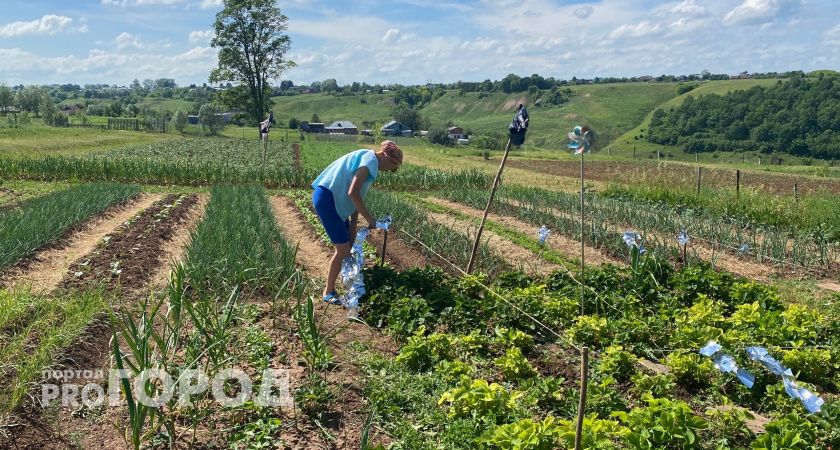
(6, 97)
(252, 47)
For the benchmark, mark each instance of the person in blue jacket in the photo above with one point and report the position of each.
(339, 200)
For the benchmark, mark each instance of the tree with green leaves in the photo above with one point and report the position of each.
(179, 121)
(47, 109)
(252, 48)
(6, 98)
(210, 118)
(29, 99)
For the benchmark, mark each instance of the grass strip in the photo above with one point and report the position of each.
(45, 219)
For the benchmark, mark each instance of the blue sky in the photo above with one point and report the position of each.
(412, 41)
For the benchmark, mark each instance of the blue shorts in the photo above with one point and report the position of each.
(337, 229)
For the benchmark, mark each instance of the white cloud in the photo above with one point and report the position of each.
(832, 36)
(200, 36)
(391, 36)
(583, 12)
(753, 12)
(48, 25)
(125, 3)
(641, 29)
(210, 4)
(127, 40)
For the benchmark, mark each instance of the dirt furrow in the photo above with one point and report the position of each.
(562, 244)
(520, 257)
(311, 255)
(345, 419)
(49, 266)
(173, 249)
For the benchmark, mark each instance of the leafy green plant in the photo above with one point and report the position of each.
(526, 434)
(316, 351)
(616, 362)
(423, 352)
(691, 370)
(659, 385)
(514, 365)
(789, 432)
(728, 426)
(487, 402)
(588, 330)
(662, 423)
(406, 315)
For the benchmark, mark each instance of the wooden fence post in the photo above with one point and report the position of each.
(584, 381)
(738, 183)
(699, 169)
(795, 192)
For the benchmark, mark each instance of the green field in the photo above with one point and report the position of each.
(37, 139)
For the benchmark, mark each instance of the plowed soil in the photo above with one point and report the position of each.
(130, 255)
(45, 270)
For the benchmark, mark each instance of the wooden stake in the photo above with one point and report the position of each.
(699, 169)
(738, 183)
(584, 381)
(487, 209)
(796, 192)
(384, 246)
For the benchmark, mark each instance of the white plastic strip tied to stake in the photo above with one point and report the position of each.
(542, 234)
(725, 363)
(351, 274)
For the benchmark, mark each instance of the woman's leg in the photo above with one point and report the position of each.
(341, 251)
(338, 231)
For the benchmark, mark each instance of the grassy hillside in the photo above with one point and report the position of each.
(623, 146)
(357, 109)
(614, 108)
(610, 108)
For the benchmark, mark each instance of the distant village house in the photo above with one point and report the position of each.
(394, 128)
(455, 133)
(342, 127)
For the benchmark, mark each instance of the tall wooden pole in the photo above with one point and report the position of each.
(584, 382)
(487, 210)
(582, 236)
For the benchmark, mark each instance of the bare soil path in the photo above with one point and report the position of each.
(347, 415)
(520, 257)
(49, 266)
(556, 241)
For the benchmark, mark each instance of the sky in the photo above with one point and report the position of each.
(416, 41)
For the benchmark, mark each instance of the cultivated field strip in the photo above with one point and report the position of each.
(311, 254)
(127, 258)
(49, 266)
(174, 249)
(45, 219)
(518, 257)
(809, 249)
(238, 243)
(453, 245)
(564, 245)
(35, 335)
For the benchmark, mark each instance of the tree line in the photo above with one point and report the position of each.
(799, 117)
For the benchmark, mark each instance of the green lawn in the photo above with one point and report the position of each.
(37, 139)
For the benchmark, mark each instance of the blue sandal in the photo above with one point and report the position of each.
(333, 299)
